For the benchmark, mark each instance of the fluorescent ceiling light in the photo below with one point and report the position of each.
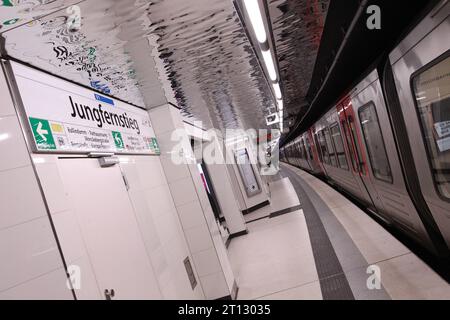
(267, 55)
(256, 20)
(276, 88)
(280, 105)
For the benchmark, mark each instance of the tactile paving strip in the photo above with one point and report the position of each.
(333, 283)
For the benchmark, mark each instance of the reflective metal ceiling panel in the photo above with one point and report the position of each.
(14, 13)
(297, 27)
(98, 55)
(210, 62)
(129, 48)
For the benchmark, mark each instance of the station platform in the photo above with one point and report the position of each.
(313, 243)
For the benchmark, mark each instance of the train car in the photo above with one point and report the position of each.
(387, 142)
(421, 72)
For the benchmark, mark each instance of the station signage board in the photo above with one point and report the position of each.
(64, 117)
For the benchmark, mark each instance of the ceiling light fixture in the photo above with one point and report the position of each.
(254, 13)
(267, 55)
(276, 88)
(280, 105)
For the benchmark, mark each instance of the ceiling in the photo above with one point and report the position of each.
(340, 64)
(297, 27)
(194, 54)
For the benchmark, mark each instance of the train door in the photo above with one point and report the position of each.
(383, 162)
(317, 150)
(357, 156)
(309, 152)
(305, 158)
(422, 77)
(109, 228)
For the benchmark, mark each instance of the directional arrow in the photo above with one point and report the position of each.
(41, 132)
(118, 141)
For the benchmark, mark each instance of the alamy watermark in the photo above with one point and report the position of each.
(374, 280)
(374, 20)
(217, 148)
(74, 280)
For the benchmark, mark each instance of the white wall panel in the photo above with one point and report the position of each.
(14, 151)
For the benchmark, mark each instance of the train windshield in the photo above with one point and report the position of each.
(432, 93)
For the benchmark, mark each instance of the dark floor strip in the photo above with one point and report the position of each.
(284, 211)
(277, 213)
(333, 282)
(257, 219)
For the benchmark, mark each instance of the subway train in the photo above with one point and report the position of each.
(386, 142)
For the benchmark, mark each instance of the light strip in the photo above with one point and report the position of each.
(267, 55)
(276, 88)
(256, 20)
(280, 105)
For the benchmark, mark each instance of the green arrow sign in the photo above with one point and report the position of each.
(118, 141)
(42, 134)
(154, 146)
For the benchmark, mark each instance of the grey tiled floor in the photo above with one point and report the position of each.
(275, 260)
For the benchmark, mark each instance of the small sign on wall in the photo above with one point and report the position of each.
(64, 117)
(190, 272)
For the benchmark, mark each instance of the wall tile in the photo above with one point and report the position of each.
(89, 289)
(206, 262)
(69, 236)
(20, 197)
(198, 238)
(159, 200)
(174, 171)
(12, 144)
(53, 187)
(183, 191)
(191, 214)
(166, 144)
(150, 174)
(145, 220)
(27, 251)
(215, 286)
(166, 226)
(50, 286)
(161, 121)
(6, 105)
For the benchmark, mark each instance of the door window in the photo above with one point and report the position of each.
(354, 134)
(330, 148)
(374, 143)
(349, 144)
(337, 139)
(432, 95)
(323, 147)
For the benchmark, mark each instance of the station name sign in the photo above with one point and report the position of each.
(64, 117)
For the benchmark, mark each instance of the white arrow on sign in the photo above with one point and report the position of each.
(41, 132)
(119, 142)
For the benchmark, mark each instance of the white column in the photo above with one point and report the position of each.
(224, 190)
(193, 208)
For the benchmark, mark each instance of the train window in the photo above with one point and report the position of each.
(299, 150)
(374, 142)
(432, 94)
(349, 143)
(309, 149)
(305, 155)
(319, 151)
(330, 148)
(337, 139)
(354, 135)
(323, 147)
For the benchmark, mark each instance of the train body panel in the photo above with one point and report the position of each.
(384, 179)
(421, 68)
